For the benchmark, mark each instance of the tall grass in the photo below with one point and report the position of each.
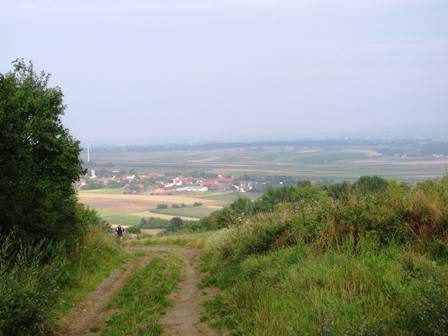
(96, 257)
(294, 291)
(29, 287)
(39, 283)
(368, 262)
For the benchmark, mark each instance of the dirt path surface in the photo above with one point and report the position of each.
(92, 312)
(184, 318)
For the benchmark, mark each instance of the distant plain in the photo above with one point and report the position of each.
(319, 165)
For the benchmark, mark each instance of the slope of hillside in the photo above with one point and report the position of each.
(367, 259)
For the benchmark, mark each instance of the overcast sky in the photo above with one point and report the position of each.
(154, 71)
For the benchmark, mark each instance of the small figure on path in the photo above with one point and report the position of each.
(119, 232)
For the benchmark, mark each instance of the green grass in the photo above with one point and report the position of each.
(122, 218)
(96, 260)
(143, 298)
(198, 240)
(192, 212)
(228, 198)
(294, 291)
(89, 279)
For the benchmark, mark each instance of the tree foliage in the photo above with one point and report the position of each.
(39, 159)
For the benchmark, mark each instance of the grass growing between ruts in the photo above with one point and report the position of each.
(197, 240)
(142, 299)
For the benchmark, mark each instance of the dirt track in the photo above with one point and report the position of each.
(92, 312)
(183, 318)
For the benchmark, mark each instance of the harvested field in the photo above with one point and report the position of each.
(136, 203)
(128, 209)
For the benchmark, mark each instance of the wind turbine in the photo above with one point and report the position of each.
(88, 153)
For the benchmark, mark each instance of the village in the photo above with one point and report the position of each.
(159, 183)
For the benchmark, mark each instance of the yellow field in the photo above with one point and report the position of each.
(140, 206)
(136, 203)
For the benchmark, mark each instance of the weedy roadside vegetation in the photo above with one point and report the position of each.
(363, 259)
(95, 260)
(41, 282)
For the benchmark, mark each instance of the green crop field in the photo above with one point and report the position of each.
(122, 218)
(228, 197)
(194, 212)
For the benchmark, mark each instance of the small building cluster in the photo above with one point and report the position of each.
(159, 183)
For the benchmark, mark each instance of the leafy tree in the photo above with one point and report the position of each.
(175, 224)
(39, 159)
(242, 206)
(368, 184)
(338, 190)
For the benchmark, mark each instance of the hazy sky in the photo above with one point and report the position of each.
(153, 71)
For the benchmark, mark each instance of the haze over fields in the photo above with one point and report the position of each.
(144, 72)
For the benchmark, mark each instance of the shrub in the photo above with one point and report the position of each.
(370, 184)
(134, 230)
(423, 218)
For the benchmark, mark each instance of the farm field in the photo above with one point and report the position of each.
(128, 209)
(122, 218)
(192, 212)
(227, 198)
(315, 164)
(137, 203)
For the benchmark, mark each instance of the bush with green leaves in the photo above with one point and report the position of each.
(134, 229)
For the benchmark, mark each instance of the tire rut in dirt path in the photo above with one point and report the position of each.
(184, 318)
(93, 311)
